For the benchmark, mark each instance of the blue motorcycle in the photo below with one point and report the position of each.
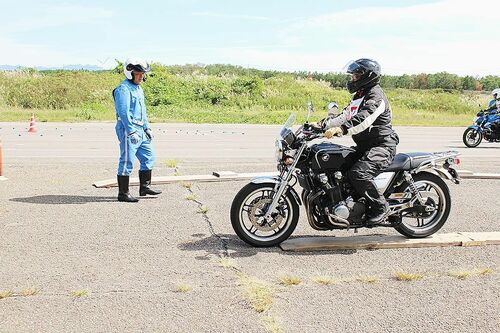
(486, 125)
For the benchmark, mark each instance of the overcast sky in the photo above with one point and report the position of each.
(405, 36)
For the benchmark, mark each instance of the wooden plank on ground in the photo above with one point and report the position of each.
(160, 180)
(481, 238)
(389, 241)
(217, 176)
(480, 176)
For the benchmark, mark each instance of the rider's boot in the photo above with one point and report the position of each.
(377, 213)
(378, 206)
(123, 192)
(145, 181)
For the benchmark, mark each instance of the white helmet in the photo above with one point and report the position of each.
(496, 92)
(135, 65)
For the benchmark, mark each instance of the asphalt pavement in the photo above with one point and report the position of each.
(73, 259)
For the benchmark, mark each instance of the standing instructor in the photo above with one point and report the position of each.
(133, 131)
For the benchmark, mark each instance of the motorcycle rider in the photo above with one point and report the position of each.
(133, 131)
(368, 119)
(495, 102)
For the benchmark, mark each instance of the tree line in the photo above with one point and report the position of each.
(442, 80)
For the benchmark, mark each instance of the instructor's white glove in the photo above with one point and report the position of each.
(134, 138)
(334, 131)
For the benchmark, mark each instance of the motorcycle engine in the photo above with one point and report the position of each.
(341, 210)
(349, 209)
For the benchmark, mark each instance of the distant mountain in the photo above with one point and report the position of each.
(48, 68)
(8, 67)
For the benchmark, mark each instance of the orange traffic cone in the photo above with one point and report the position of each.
(32, 128)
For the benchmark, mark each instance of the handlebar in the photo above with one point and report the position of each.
(310, 132)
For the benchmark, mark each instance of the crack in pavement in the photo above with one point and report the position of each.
(223, 242)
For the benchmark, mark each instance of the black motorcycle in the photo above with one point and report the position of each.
(266, 211)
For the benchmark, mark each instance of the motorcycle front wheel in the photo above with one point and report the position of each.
(247, 215)
(472, 137)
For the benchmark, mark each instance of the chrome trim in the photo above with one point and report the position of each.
(283, 184)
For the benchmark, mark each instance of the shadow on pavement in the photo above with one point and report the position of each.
(215, 245)
(63, 199)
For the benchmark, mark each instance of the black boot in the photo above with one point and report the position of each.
(378, 207)
(145, 181)
(377, 213)
(123, 193)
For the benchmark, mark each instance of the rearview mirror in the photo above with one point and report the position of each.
(310, 109)
(333, 108)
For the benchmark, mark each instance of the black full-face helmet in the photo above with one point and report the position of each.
(365, 73)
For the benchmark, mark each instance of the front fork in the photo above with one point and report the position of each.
(285, 178)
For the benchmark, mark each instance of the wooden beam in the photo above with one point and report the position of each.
(222, 176)
(219, 176)
(390, 241)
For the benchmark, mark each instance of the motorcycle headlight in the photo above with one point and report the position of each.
(287, 135)
(279, 150)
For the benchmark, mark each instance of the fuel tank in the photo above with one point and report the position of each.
(331, 157)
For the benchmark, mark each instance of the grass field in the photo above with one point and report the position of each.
(86, 96)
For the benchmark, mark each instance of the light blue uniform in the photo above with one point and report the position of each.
(132, 118)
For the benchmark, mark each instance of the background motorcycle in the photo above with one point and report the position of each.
(484, 126)
(266, 211)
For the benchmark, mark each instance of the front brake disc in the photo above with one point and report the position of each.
(257, 212)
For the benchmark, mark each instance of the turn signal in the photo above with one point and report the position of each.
(288, 161)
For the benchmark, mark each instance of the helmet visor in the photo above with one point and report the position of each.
(144, 68)
(353, 67)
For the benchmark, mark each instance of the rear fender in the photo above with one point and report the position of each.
(443, 173)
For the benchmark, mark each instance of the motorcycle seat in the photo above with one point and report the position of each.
(408, 161)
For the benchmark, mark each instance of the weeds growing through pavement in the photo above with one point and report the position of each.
(172, 163)
(272, 324)
(400, 276)
(5, 294)
(462, 275)
(30, 292)
(183, 288)
(228, 263)
(202, 210)
(190, 197)
(187, 185)
(485, 271)
(79, 293)
(256, 292)
(324, 280)
(288, 280)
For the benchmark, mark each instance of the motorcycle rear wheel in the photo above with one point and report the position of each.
(248, 208)
(436, 194)
(472, 137)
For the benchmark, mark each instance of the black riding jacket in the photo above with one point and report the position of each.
(369, 119)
